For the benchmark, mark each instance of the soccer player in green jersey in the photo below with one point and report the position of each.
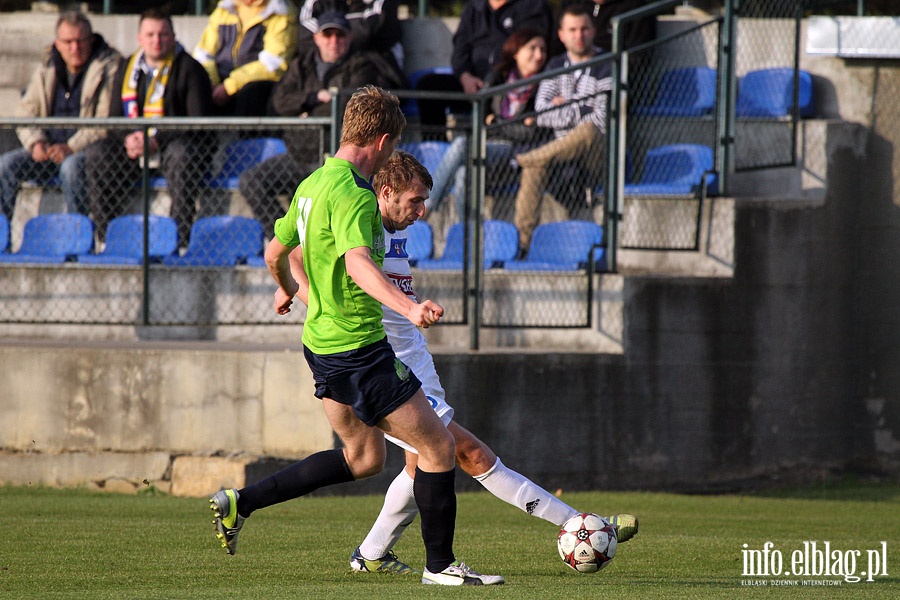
(364, 388)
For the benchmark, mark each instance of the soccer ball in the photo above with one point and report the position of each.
(587, 542)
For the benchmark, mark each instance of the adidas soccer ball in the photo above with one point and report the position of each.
(587, 542)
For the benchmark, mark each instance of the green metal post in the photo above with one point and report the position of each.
(615, 147)
(727, 91)
(475, 210)
(145, 208)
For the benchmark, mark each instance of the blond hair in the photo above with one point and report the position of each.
(371, 112)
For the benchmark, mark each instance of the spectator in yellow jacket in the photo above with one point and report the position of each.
(245, 49)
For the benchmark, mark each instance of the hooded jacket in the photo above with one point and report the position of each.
(236, 54)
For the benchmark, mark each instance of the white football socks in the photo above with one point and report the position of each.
(516, 489)
(398, 512)
(400, 509)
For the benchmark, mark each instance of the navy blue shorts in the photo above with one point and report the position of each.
(371, 380)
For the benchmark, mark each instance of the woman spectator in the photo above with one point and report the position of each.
(511, 126)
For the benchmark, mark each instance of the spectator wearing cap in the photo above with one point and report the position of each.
(303, 92)
(374, 25)
(245, 49)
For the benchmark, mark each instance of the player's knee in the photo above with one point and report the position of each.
(474, 458)
(447, 444)
(365, 463)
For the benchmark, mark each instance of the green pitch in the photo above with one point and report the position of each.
(82, 544)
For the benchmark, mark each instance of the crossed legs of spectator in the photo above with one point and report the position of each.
(583, 143)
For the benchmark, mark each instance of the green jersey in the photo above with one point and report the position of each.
(333, 211)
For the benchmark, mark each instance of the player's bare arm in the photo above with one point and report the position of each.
(374, 282)
(296, 262)
(279, 266)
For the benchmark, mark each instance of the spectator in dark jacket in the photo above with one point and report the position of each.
(303, 92)
(374, 25)
(477, 45)
(160, 79)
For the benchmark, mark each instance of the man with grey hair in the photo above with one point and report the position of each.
(74, 80)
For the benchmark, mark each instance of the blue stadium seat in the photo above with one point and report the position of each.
(562, 246)
(419, 242)
(429, 153)
(501, 242)
(257, 261)
(770, 93)
(4, 233)
(220, 241)
(676, 169)
(125, 241)
(684, 92)
(53, 238)
(240, 155)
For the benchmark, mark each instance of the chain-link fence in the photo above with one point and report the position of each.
(504, 189)
(164, 225)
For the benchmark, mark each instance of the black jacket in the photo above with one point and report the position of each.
(188, 94)
(295, 94)
(479, 38)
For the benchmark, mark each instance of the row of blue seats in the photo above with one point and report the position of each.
(673, 169)
(691, 92)
(556, 246)
(230, 240)
(61, 237)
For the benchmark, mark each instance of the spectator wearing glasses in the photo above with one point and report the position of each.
(75, 80)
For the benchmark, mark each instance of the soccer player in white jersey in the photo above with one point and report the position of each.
(402, 187)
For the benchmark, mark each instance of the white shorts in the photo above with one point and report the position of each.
(415, 355)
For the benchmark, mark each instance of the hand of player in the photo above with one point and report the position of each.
(283, 301)
(426, 314)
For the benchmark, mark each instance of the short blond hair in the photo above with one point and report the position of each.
(371, 112)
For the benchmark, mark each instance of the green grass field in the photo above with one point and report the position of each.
(82, 544)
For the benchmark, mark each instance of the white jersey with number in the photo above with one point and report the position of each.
(405, 338)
